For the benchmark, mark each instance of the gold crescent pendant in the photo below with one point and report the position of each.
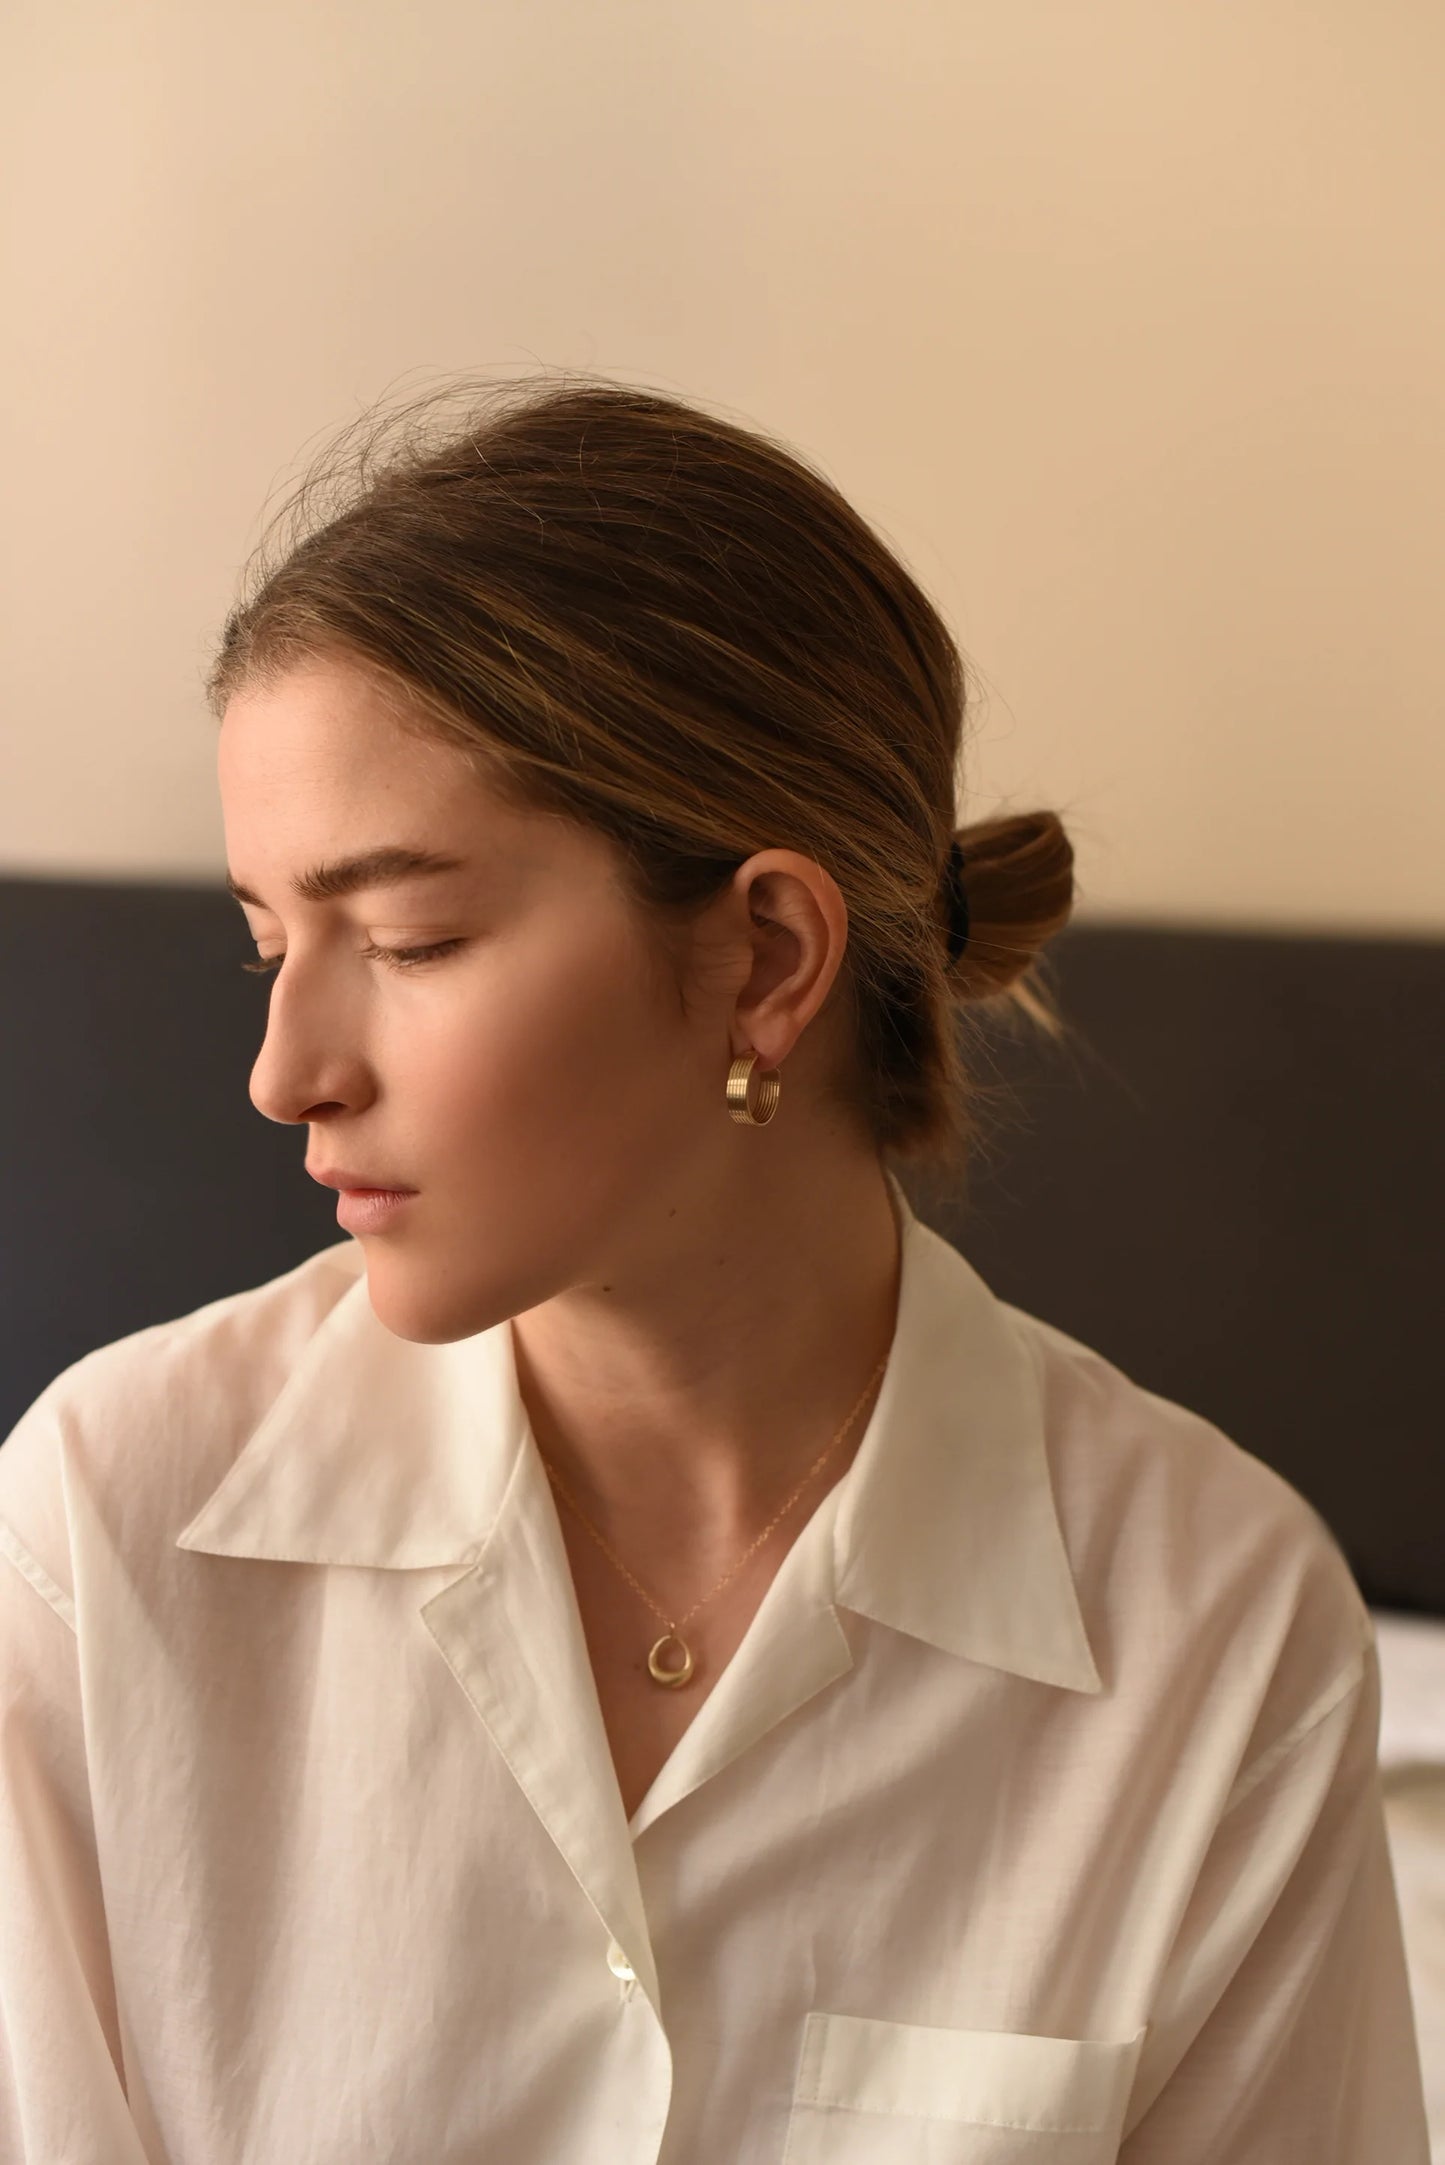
(669, 1676)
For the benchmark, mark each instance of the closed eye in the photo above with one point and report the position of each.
(398, 958)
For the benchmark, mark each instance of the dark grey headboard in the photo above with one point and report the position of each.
(1235, 1191)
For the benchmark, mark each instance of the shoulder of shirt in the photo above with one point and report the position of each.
(106, 1420)
(1174, 1527)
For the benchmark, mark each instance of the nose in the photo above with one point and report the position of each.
(304, 1067)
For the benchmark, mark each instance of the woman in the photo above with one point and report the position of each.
(636, 1653)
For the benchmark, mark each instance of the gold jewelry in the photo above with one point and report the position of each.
(770, 1084)
(682, 1670)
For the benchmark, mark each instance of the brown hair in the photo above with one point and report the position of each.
(675, 631)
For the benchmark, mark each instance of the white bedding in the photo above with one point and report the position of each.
(1412, 1764)
(1412, 1695)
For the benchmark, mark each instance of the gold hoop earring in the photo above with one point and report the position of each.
(770, 1085)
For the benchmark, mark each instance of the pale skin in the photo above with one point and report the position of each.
(695, 1305)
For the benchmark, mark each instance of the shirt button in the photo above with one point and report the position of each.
(619, 1965)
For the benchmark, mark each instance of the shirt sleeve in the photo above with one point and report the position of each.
(1284, 2032)
(62, 2095)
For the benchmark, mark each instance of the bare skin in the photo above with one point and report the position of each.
(695, 1305)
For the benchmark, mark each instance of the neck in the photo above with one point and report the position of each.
(683, 1394)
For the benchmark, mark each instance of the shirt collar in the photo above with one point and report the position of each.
(386, 1453)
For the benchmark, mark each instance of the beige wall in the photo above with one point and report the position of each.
(1125, 321)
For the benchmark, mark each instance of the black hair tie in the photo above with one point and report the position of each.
(957, 903)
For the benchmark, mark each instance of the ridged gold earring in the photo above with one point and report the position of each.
(770, 1084)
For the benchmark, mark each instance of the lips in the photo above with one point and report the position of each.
(341, 1177)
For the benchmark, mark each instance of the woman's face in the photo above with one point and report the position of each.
(540, 1083)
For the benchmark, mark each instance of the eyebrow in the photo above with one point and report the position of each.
(386, 866)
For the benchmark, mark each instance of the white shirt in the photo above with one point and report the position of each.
(1036, 1821)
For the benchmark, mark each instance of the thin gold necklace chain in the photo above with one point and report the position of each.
(747, 1552)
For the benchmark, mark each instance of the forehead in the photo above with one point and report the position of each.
(332, 721)
(325, 773)
(324, 792)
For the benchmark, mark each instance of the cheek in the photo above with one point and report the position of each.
(556, 1061)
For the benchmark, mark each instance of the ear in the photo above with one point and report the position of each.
(791, 917)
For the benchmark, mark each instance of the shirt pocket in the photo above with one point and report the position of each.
(879, 2093)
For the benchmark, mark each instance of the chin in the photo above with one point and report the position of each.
(407, 1311)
